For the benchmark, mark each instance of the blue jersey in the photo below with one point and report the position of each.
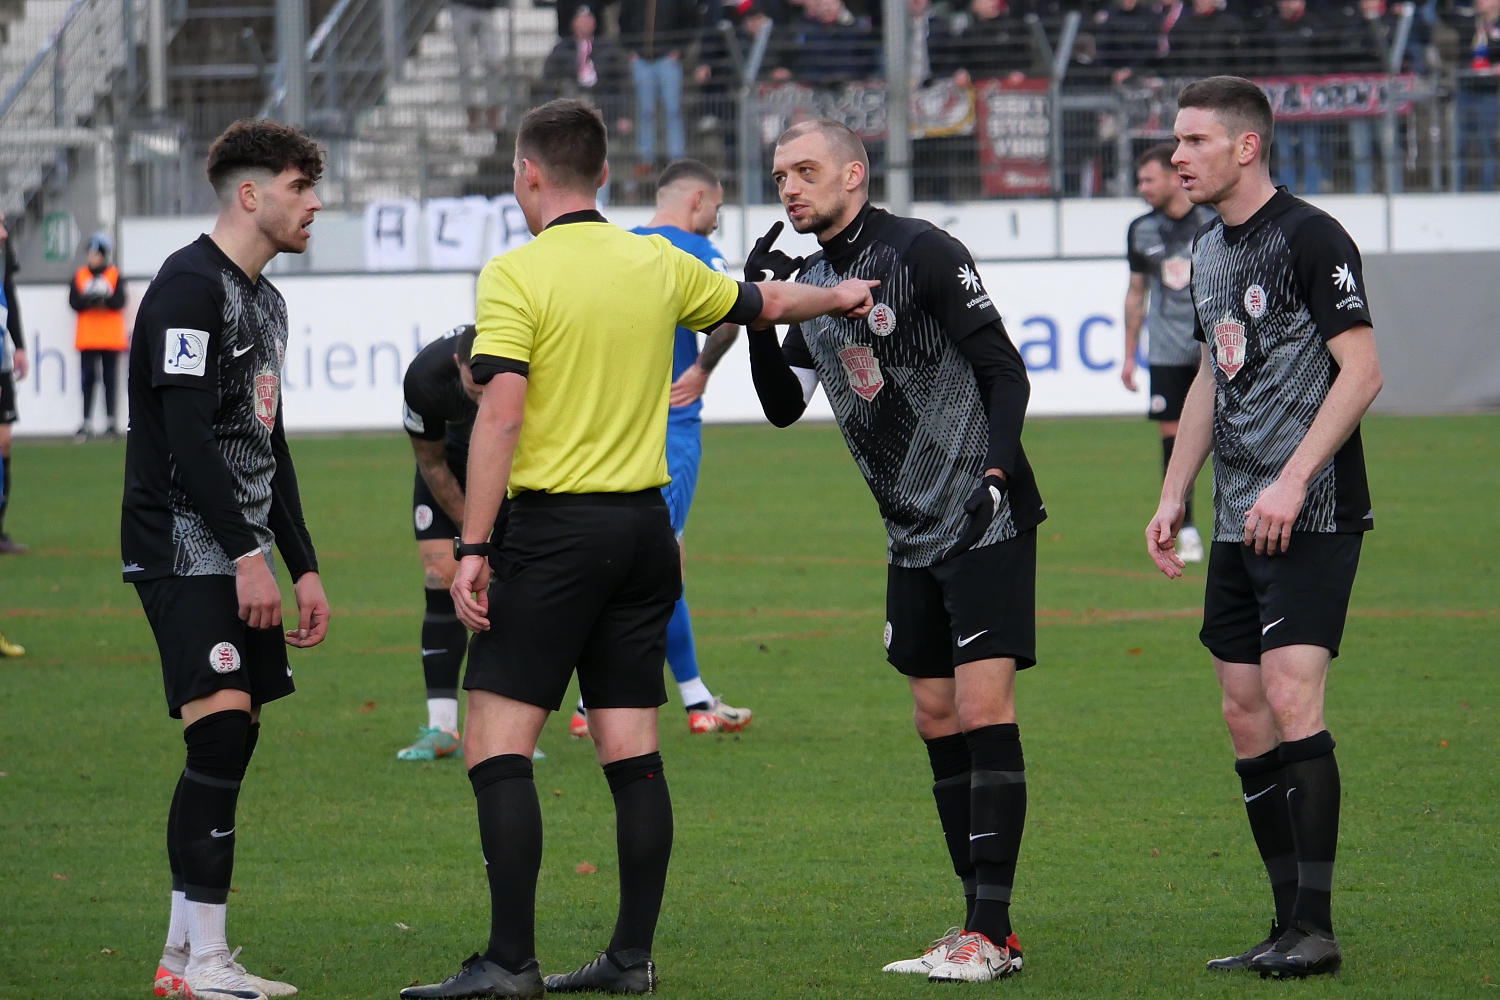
(685, 342)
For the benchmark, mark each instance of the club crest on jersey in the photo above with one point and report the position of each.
(266, 385)
(1255, 301)
(882, 320)
(224, 658)
(863, 369)
(1229, 346)
(422, 517)
(1176, 272)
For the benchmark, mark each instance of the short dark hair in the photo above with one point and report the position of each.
(1240, 105)
(463, 344)
(567, 138)
(263, 144)
(841, 138)
(691, 170)
(1160, 153)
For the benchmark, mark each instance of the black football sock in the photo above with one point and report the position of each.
(1167, 444)
(209, 792)
(4, 490)
(1312, 795)
(444, 640)
(643, 841)
(510, 835)
(1263, 784)
(174, 854)
(949, 757)
(997, 810)
(251, 739)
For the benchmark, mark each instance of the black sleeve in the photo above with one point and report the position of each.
(12, 300)
(189, 420)
(180, 328)
(483, 367)
(75, 298)
(1004, 388)
(287, 523)
(1330, 274)
(117, 299)
(422, 412)
(947, 284)
(746, 307)
(779, 389)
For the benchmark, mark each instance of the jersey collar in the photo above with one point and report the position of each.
(853, 238)
(583, 215)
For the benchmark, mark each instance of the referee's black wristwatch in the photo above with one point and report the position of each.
(461, 548)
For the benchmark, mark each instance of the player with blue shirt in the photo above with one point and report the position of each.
(688, 196)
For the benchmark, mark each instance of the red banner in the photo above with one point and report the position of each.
(1015, 137)
(1310, 98)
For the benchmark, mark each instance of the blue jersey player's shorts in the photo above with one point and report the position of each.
(684, 452)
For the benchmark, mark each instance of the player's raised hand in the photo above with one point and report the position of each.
(255, 588)
(1161, 538)
(855, 297)
(765, 264)
(470, 592)
(312, 612)
(979, 510)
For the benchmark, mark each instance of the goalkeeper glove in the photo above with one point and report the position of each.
(766, 264)
(979, 511)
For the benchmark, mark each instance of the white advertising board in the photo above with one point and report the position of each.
(352, 337)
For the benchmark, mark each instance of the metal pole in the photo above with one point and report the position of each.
(156, 58)
(1059, 69)
(291, 46)
(391, 39)
(898, 186)
(1391, 161)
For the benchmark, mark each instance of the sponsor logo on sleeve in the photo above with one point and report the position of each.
(969, 279)
(185, 352)
(1343, 280)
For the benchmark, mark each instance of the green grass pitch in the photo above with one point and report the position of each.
(807, 850)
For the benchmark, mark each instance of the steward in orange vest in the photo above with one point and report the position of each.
(98, 296)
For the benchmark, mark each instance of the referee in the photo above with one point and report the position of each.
(1288, 367)
(574, 347)
(930, 395)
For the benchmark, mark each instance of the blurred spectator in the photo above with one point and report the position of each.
(588, 65)
(478, 44)
(988, 42)
(97, 294)
(567, 8)
(1203, 41)
(654, 33)
(1369, 32)
(12, 370)
(1126, 36)
(1295, 43)
(932, 159)
(829, 46)
(1478, 98)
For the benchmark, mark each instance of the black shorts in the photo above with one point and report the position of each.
(584, 582)
(428, 518)
(1169, 389)
(206, 648)
(8, 412)
(975, 606)
(1299, 597)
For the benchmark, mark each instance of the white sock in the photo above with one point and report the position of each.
(206, 928)
(177, 929)
(581, 709)
(695, 691)
(442, 713)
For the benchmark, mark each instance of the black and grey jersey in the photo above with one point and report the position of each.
(1161, 248)
(906, 397)
(203, 325)
(435, 406)
(1269, 294)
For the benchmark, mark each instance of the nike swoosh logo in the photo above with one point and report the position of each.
(433, 652)
(981, 836)
(218, 834)
(861, 229)
(238, 351)
(966, 639)
(1266, 628)
(1252, 798)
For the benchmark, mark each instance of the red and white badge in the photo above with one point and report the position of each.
(1176, 272)
(224, 658)
(881, 320)
(266, 386)
(1255, 301)
(863, 369)
(1229, 346)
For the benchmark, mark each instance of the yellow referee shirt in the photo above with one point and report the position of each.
(591, 310)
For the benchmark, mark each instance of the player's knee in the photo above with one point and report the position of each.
(216, 745)
(934, 719)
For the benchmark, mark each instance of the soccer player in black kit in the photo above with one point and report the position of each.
(209, 488)
(930, 395)
(1288, 369)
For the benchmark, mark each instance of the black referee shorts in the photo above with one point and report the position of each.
(1169, 389)
(978, 605)
(1298, 597)
(8, 412)
(206, 648)
(585, 582)
(428, 519)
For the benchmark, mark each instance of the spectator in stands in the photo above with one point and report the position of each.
(97, 294)
(587, 65)
(655, 34)
(830, 46)
(1296, 43)
(1125, 36)
(935, 158)
(479, 74)
(1204, 40)
(567, 8)
(1369, 32)
(987, 41)
(1478, 99)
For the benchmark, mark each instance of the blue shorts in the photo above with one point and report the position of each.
(684, 452)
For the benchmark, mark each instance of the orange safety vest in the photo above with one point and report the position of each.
(99, 329)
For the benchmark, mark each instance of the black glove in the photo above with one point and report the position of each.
(980, 510)
(765, 264)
